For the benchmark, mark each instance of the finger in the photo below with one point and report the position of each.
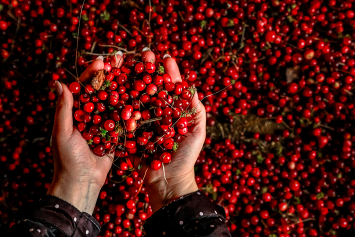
(117, 59)
(63, 119)
(89, 72)
(172, 68)
(200, 116)
(148, 55)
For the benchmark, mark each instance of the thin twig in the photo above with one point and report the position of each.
(70, 73)
(242, 39)
(164, 174)
(150, 13)
(93, 46)
(151, 120)
(117, 47)
(325, 126)
(284, 123)
(125, 29)
(77, 41)
(134, 27)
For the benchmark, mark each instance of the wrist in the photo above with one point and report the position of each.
(83, 195)
(162, 193)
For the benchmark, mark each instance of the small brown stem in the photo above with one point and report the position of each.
(150, 14)
(113, 46)
(125, 29)
(182, 18)
(325, 126)
(288, 127)
(164, 174)
(151, 120)
(134, 27)
(93, 46)
(77, 41)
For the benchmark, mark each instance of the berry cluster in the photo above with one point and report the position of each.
(136, 110)
(279, 152)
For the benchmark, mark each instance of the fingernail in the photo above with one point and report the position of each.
(119, 53)
(166, 56)
(58, 88)
(100, 57)
(145, 49)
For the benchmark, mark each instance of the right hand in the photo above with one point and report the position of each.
(179, 173)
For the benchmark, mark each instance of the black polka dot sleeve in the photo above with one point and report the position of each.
(53, 217)
(191, 215)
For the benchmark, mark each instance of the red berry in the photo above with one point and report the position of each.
(156, 164)
(109, 125)
(74, 87)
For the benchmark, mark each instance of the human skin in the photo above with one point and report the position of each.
(79, 174)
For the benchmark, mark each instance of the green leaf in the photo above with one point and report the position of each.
(161, 70)
(175, 147)
(259, 159)
(263, 190)
(90, 142)
(108, 137)
(85, 17)
(75, 34)
(140, 166)
(238, 172)
(320, 195)
(111, 108)
(279, 151)
(105, 16)
(214, 196)
(297, 200)
(209, 188)
(230, 23)
(272, 235)
(1, 7)
(203, 24)
(192, 90)
(107, 83)
(103, 132)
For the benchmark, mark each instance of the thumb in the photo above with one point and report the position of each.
(63, 119)
(200, 115)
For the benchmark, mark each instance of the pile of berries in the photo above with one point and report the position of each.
(135, 109)
(295, 65)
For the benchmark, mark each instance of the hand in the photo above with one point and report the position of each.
(78, 173)
(179, 173)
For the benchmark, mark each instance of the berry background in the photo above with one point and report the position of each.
(276, 78)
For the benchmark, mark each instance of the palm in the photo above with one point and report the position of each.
(182, 161)
(98, 166)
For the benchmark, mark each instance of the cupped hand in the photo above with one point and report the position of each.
(78, 173)
(179, 177)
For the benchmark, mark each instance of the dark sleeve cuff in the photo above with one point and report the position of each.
(190, 215)
(56, 213)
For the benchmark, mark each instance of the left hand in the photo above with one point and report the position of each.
(78, 173)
